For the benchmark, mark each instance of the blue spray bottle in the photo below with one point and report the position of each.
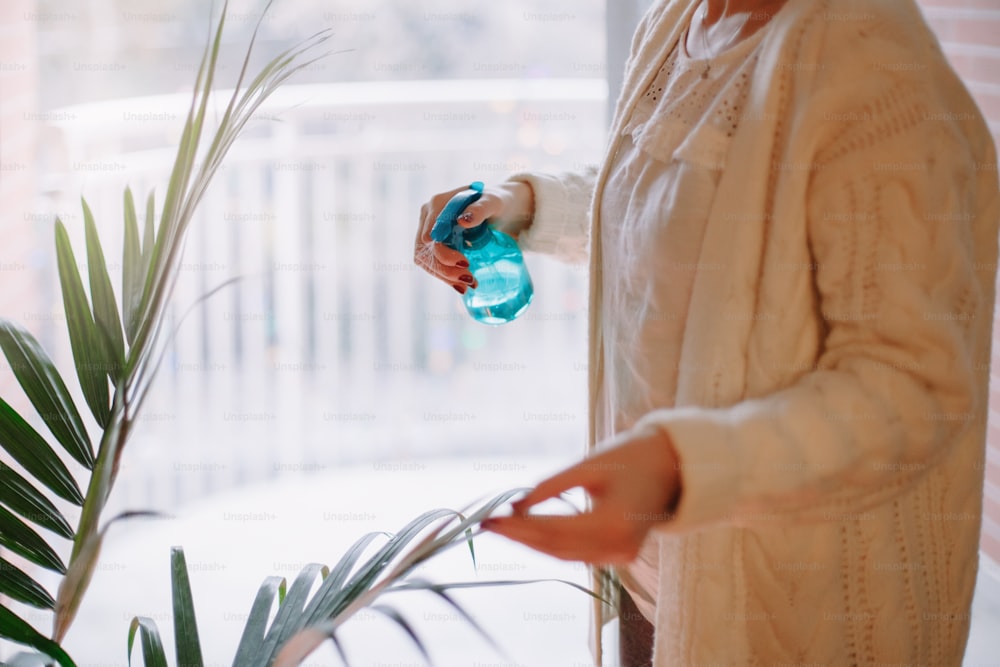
(504, 286)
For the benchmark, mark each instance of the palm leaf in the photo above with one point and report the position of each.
(22, 540)
(28, 660)
(286, 623)
(185, 623)
(167, 245)
(24, 499)
(252, 640)
(384, 557)
(132, 269)
(148, 235)
(152, 647)
(31, 450)
(324, 601)
(294, 634)
(17, 585)
(440, 591)
(20, 631)
(106, 318)
(340, 649)
(405, 625)
(89, 349)
(46, 390)
(413, 586)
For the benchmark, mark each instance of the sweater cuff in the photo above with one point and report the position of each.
(560, 226)
(709, 479)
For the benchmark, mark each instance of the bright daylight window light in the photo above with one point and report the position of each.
(333, 375)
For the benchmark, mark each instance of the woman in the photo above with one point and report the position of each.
(792, 247)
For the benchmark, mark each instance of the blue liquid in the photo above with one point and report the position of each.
(504, 287)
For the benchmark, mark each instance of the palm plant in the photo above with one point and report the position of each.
(117, 345)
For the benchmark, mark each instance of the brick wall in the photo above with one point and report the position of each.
(969, 31)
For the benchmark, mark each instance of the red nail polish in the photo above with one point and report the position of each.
(466, 278)
(460, 290)
(463, 264)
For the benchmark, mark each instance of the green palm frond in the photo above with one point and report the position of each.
(116, 343)
(302, 623)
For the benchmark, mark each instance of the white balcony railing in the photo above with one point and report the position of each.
(333, 347)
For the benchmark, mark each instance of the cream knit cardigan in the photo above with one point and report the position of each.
(833, 382)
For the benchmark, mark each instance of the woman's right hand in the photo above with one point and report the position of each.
(508, 206)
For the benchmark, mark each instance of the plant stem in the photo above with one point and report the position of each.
(112, 443)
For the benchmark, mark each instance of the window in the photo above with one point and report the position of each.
(332, 350)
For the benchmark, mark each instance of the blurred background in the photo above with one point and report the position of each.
(332, 346)
(334, 371)
(334, 389)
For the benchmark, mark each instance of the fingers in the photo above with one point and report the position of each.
(442, 262)
(590, 537)
(583, 475)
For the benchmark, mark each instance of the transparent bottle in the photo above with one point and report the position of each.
(504, 287)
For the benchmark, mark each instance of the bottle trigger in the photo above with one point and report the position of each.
(446, 221)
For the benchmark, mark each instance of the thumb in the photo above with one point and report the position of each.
(475, 214)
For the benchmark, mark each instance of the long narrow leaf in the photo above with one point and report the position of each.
(149, 234)
(409, 586)
(324, 602)
(32, 451)
(44, 387)
(132, 270)
(185, 624)
(24, 499)
(28, 660)
(152, 646)
(144, 277)
(89, 350)
(289, 618)
(22, 540)
(252, 640)
(451, 602)
(340, 649)
(17, 585)
(18, 630)
(168, 246)
(172, 226)
(403, 623)
(109, 324)
(381, 560)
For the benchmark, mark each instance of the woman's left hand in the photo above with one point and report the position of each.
(632, 485)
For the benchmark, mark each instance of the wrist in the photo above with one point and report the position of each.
(668, 465)
(519, 207)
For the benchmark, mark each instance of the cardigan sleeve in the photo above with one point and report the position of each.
(896, 220)
(561, 223)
